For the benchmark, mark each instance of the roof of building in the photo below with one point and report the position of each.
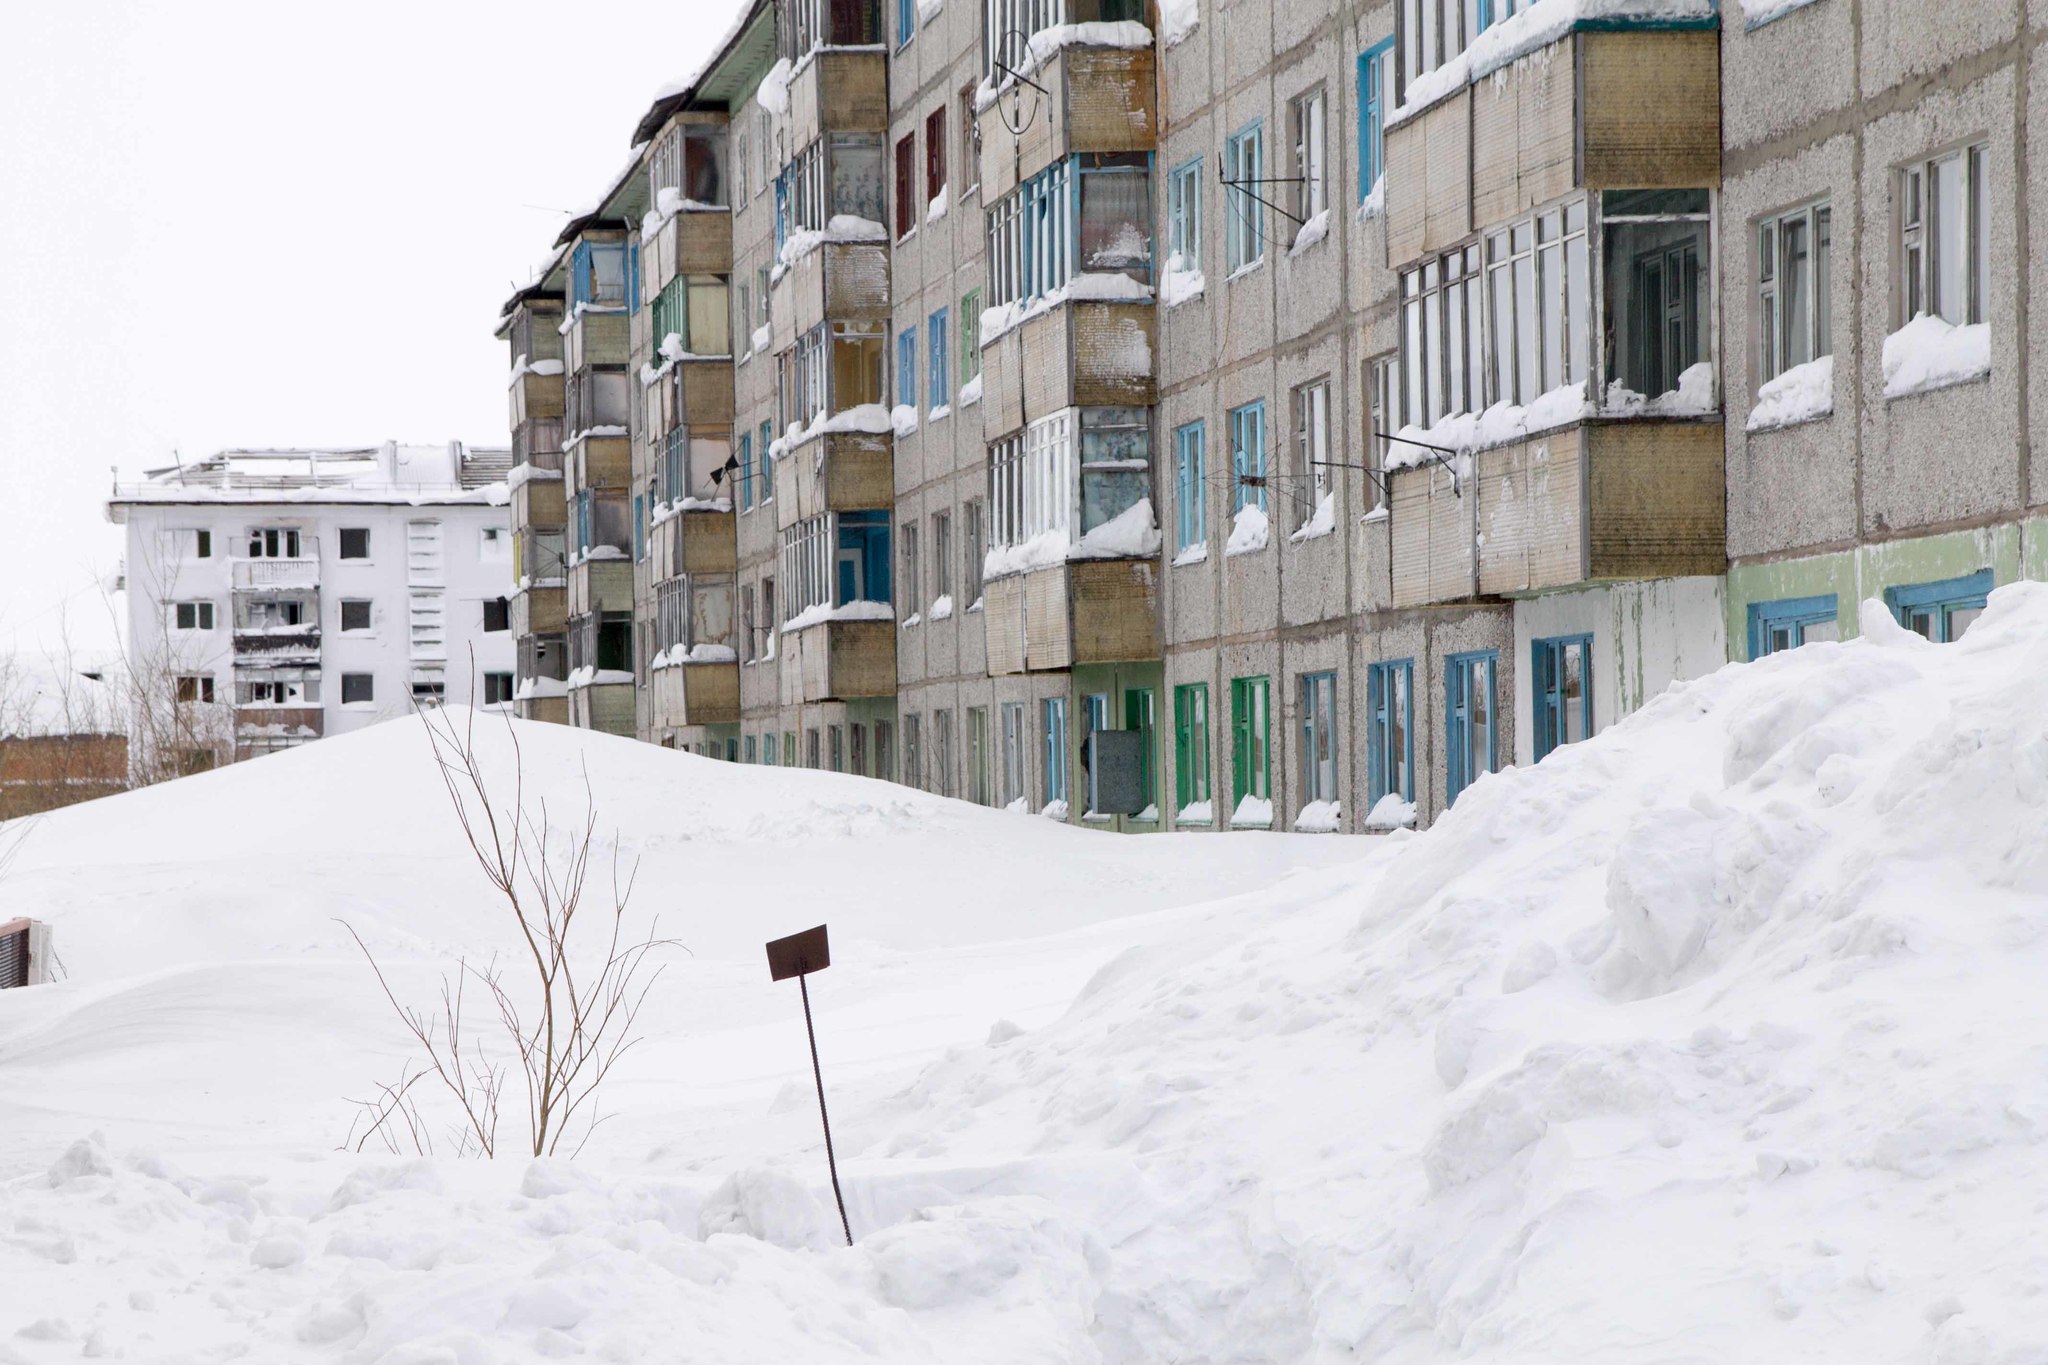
(386, 473)
(735, 66)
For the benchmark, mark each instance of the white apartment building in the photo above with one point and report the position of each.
(280, 596)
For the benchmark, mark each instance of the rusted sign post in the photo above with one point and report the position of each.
(799, 955)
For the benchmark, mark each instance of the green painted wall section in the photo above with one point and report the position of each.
(2012, 551)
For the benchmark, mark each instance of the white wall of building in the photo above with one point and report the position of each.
(475, 566)
(1646, 636)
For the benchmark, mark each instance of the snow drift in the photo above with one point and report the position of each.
(1713, 1038)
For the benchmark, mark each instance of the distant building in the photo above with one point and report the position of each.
(44, 772)
(277, 596)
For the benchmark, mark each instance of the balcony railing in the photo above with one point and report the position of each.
(259, 574)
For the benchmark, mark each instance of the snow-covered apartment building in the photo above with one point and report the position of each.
(278, 596)
(1326, 403)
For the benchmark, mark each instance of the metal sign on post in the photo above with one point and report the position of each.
(799, 955)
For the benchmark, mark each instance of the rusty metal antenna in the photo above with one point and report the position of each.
(799, 955)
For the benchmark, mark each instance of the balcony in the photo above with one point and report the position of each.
(1081, 612)
(599, 462)
(277, 726)
(687, 694)
(276, 575)
(1630, 109)
(538, 498)
(536, 397)
(838, 471)
(597, 336)
(1098, 99)
(277, 643)
(838, 660)
(699, 541)
(691, 242)
(1082, 353)
(834, 90)
(1597, 501)
(837, 280)
(601, 585)
(542, 609)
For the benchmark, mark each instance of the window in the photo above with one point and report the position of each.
(1794, 256)
(1305, 127)
(194, 687)
(913, 751)
(1190, 501)
(1013, 774)
(938, 390)
(835, 558)
(1094, 717)
(1002, 17)
(934, 156)
(1069, 472)
(857, 749)
(975, 549)
(766, 466)
(497, 689)
(1375, 87)
(970, 338)
(1560, 682)
(1191, 753)
(913, 578)
(789, 748)
(806, 24)
(1043, 233)
(1440, 334)
(811, 755)
(1944, 255)
(1140, 714)
(1248, 456)
(1390, 730)
(906, 368)
(492, 542)
(1383, 399)
(693, 313)
(942, 555)
(745, 474)
(274, 542)
(639, 527)
(835, 747)
(198, 544)
(1433, 32)
(1244, 234)
(1053, 727)
(906, 161)
(885, 750)
(942, 752)
(598, 274)
(497, 614)
(1472, 744)
(1941, 611)
(358, 689)
(1184, 216)
(1312, 440)
(1251, 773)
(355, 613)
(689, 160)
(192, 616)
(1318, 737)
(1792, 622)
(355, 542)
(1659, 262)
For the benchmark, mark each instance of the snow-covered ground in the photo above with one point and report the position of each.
(1714, 1038)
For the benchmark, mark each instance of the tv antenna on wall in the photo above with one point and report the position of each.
(1014, 106)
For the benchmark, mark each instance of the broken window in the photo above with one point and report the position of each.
(193, 615)
(1658, 270)
(355, 542)
(598, 270)
(497, 689)
(274, 542)
(497, 614)
(355, 614)
(194, 687)
(834, 559)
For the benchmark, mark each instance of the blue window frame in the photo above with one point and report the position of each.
(598, 272)
(1561, 684)
(746, 462)
(1941, 611)
(1244, 231)
(1375, 92)
(1390, 729)
(906, 23)
(1471, 719)
(1248, 456)
(767, 461)
(939, 390)
(906, 368)
(1184, 214)
(1791, 622)
(1053, 712)
(1191, 507)
(861, 570)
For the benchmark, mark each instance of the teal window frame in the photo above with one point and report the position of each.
(1248, 456)
(1191, 746)
(1244, 230)
(1390, 727)
(906, 368)
(1463, 674)
(1940, 602)
(1141, 713)
(1791, 617)
(1184, 213)
(1375, 66)
(939, 393)
(1191, 508)
(1322, 775)
(1052, 714)
(746, 462)
(1251, 739)
(1547, 676)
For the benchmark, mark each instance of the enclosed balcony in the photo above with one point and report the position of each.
(695, 673)
(1617, 106)
(839, 639)
(838, 471)
(838, 67)
(1062, 99)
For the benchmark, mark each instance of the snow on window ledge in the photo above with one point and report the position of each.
(1929, 353)
(1248, 531)
(1390, 812)
(1247, 268)
(1320, 817)
(1315, 230)
(1253, 812)
(1196, 813)
(1198, 553)
(1804, 393)
(1757, 13)
(1055, 810)
(1321, 522)
(1375, 202)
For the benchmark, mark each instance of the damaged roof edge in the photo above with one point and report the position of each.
(687, 96)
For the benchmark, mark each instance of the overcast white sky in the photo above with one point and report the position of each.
(239, 222)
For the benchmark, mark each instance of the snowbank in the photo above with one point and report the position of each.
(1800, 394)
(1929, 353)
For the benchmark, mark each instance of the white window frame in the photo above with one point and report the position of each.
(1308, 127)
(1923, 244)
(1779, 272)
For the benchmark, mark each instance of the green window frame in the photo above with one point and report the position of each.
(767, 461)
(1141, 714)
(1251, 740)
(1191, 748)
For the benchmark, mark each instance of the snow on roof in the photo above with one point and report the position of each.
(389, 472)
